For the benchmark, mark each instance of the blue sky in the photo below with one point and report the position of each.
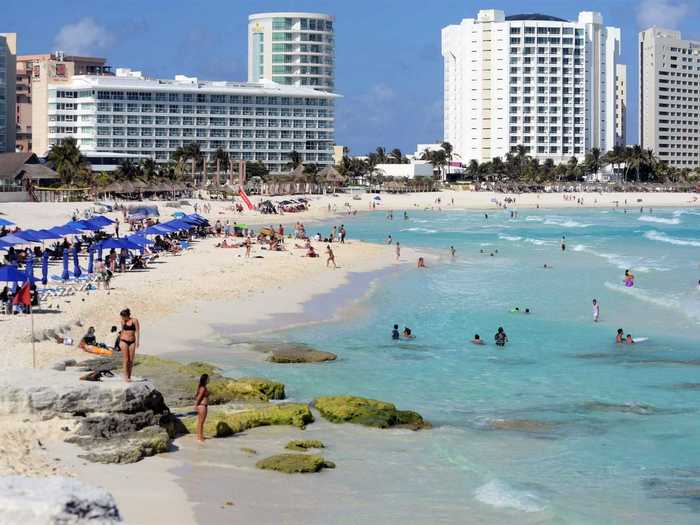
(388, 62)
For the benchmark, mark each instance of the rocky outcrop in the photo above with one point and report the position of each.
(293, 353)
(118, 422)
(55, 499)
(225, 390)
(294, 463)
(302, 445)
(128, 447)
(368, 412)
(223, 422)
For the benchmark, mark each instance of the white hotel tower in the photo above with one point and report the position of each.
(534, 80)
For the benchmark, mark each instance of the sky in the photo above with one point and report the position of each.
(388, 61)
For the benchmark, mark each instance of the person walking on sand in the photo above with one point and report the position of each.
(247, 244)
(331, 257)
(398, 250)
(201, 405)
(596, 310)
(129, 340)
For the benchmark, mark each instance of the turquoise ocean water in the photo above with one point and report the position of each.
(561, 425)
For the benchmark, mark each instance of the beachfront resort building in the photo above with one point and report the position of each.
(669, 96)
(621, 105)
(533, 80)
(42, 69)
(151, 118)
(293, 49)
(8, 55)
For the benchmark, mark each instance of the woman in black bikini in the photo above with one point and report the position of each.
(201, 404)
(129, 338)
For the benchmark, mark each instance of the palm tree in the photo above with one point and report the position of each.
(473, 169)
(396, 156)
(634, 160)
(149, 169)
(294, 159)
(193, 153)
(650, 162)
(595, 161)
(223, 161)
(67, 160)
(381, 155)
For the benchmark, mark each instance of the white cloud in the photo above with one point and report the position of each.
(83, 37)
(667, 14)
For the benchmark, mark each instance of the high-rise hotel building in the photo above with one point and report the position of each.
(8, 112)
(146, 117)
(533, 80)
(294, 49)
(669, 97)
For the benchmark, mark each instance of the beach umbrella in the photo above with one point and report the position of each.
(66, 274)
(102, 220)
(66, 229)
(139, 239)
(76, 264)
(4, 245)
(10, 273)
(29, 235)
(5, 222)
(45, 268)
(87, 225)
(46, 235)
(91, 256)
(14, 239)
(179, 215)
(30, 270)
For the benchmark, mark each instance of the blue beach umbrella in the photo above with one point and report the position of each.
(30, 270)
(76, 264)
(4, 245)
(46, 235)
(14, 239)
(101, 220)
(10, 273)
(30, 235)
(91, 256)
(45, 268)
(5, 222)
(66, 274)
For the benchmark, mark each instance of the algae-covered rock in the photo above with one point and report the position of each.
(368, 412)
(178, 382)
(128, 448)
(294, 463)
(222, 423)
(247, 389)
(301, 445)
(299, 355)
(249, 451)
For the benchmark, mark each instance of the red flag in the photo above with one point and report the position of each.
(245, 199)
(23, 296)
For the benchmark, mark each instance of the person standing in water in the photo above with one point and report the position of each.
(563, 243)
(453, 253)
(596, 310)
(501, 337)
(201, 405)
(398, 250)
(395, 333)
(477, 340)
(620, 336)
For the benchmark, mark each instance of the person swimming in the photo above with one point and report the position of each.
(407, 334)
(515, 310)
(421, 262)
(620, 336)
(477, 340)
(629, 340)
(395, 333)
(629, 279)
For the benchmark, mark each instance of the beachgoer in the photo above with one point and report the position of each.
(201, 405)
(501, 337)
(629, 340)
(407, 334)
(389, 240)
(596, 310)
(563, 243)
(620, 336)
(527, 311)
(453, 252)
(129, 340)
(247, 243)
(395, 333)
(398, 250)
(477, 340)
(331, 256)
(405, 216)
(421, 262)
(88, 339)
(342, 232)
(629, 279)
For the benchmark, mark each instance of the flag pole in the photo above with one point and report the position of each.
(31, 316)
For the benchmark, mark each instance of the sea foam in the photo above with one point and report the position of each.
(653, 235)
(498, 494)
(659, 220)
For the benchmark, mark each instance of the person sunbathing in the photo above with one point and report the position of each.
(311, 252)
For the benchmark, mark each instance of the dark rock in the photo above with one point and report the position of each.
(127, 448)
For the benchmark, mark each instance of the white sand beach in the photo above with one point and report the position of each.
(179, 298)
